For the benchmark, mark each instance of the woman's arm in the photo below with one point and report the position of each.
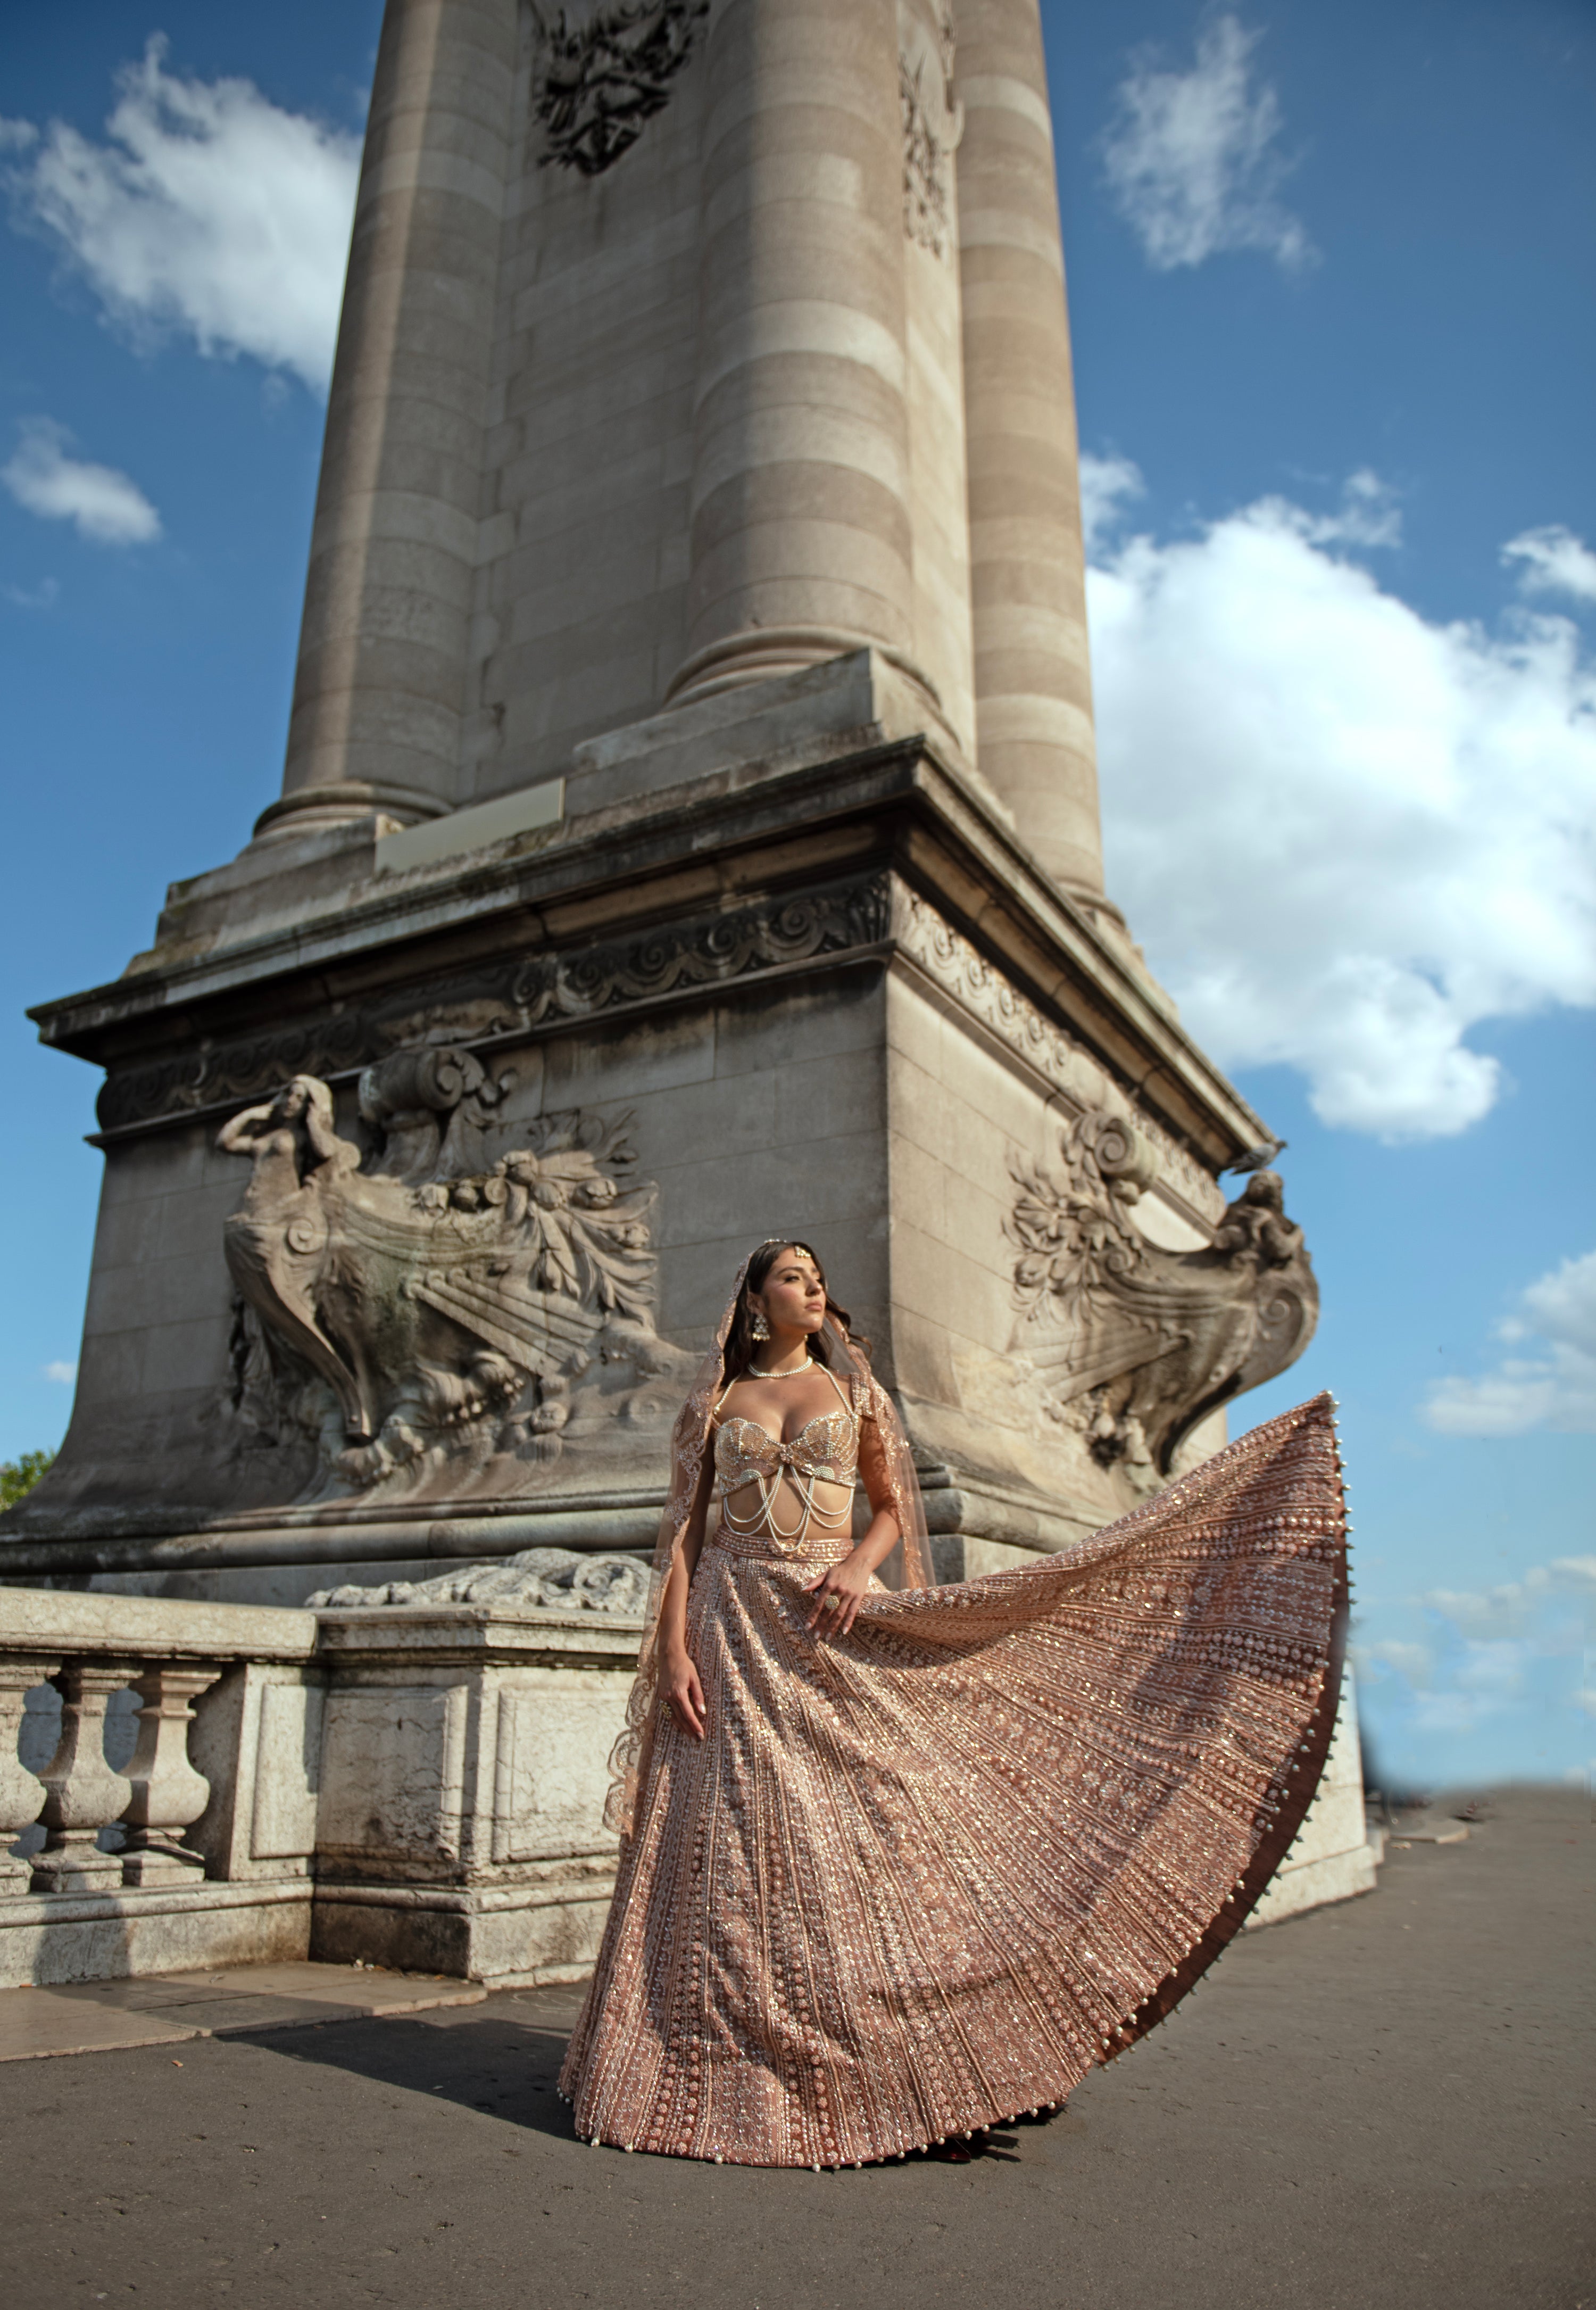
(240, 1135)
(679, 1679)
(325, 1144)
(850, 1580)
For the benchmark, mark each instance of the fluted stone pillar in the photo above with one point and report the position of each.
(378, 696)
(800, 543)
(1032, 677)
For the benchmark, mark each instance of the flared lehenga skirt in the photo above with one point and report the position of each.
(926, 1877)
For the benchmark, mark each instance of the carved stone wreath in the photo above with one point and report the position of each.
(599, 83)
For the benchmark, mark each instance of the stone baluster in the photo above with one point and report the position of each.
(168, 1795)
(22, 1793)
(83, 1794)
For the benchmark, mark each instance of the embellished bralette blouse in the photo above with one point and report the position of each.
(825, 1451)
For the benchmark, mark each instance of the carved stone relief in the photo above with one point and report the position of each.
(549, 1579)
(931, 125)
(435, 1319)
(597, 83)
(1133, 1344)
(961, 970)
(511, 996)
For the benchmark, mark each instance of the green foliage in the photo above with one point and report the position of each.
(18, 1477)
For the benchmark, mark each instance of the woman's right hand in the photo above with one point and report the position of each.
(683, 1694)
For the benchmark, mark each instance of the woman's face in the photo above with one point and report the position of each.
(792, 1295)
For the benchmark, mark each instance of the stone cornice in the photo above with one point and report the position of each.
(689, 887)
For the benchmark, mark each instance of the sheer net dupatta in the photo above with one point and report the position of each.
(886, 1465)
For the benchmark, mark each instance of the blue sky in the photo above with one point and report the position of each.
(1330, 279)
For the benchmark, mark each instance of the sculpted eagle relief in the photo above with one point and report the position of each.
(434, 1321)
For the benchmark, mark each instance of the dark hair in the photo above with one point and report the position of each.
(741, 1344)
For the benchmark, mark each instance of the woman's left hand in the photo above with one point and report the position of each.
(838, 1593)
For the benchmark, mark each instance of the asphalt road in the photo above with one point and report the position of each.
(1386, 2103)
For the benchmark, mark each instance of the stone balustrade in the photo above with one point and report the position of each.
(417, 1786)
(153, 1894)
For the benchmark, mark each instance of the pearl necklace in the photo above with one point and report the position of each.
(793, 1371)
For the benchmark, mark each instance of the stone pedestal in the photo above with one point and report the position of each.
(464, 1773)
(442, 1303)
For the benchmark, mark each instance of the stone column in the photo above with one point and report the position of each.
(1032, 677)
(378, 694)
(801, 546)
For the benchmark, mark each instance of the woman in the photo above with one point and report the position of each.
(897, 1865)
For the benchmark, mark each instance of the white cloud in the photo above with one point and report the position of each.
(1107, 485)
(103, 503)
(67, 1373)
(1192, 160)
(1556, 1389)
(208, 209)
(1413, 1661)
(1500, 1666)
(42, 596)
(1508, 1609)
(1347, 834)
(1553, 561)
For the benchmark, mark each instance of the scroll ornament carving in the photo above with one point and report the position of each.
(948, 958)
(430, 1316)
(548, 1579)
(599, 83)
(672, 961)
(1133, 1343)
(511, 997)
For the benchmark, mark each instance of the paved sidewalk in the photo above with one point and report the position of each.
(1382, 2107)
(100, 2016)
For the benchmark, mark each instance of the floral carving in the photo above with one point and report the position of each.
(599, 83)
(1138, 1343)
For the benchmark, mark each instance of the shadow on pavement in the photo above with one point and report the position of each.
(491, 2060)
